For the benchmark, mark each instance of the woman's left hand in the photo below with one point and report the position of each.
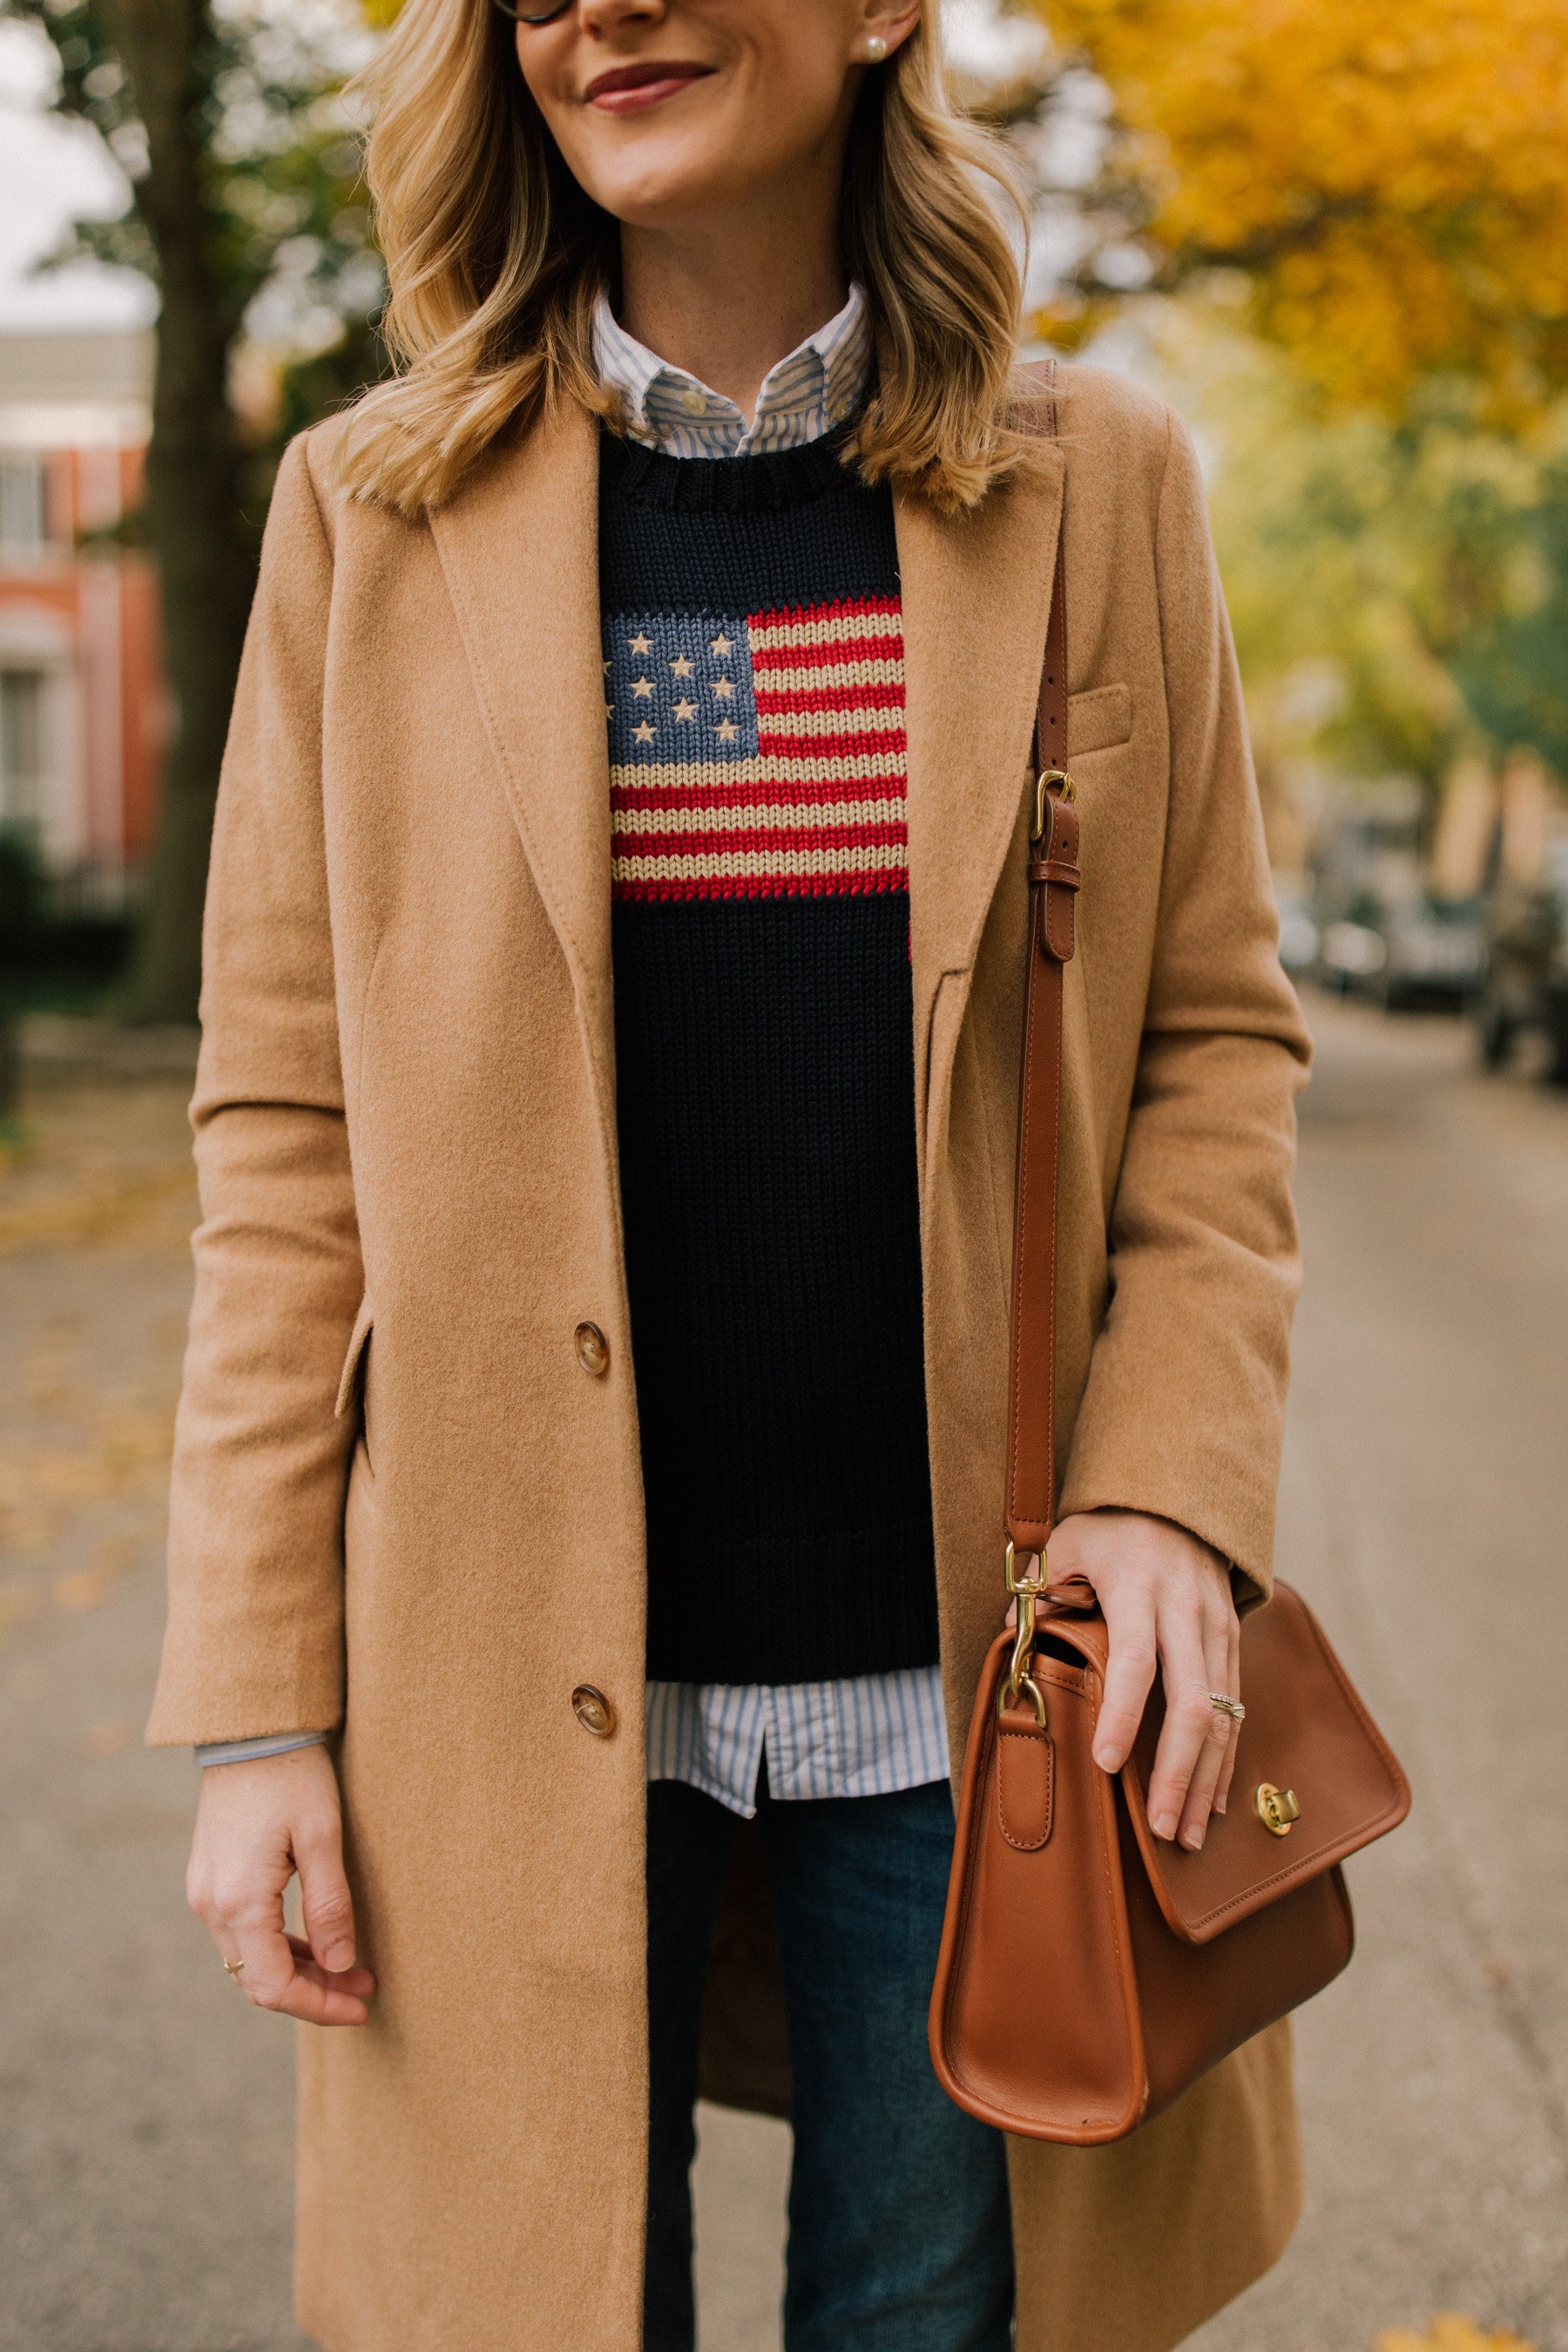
(1167, 1604)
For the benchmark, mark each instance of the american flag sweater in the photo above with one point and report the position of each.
(754, 692)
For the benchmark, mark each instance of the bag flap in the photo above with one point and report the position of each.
(1307, 1736)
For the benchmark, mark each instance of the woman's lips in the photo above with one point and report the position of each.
(628, 89)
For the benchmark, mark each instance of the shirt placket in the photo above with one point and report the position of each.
(733, 1730)
(679, 405)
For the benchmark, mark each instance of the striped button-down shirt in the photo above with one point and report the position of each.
(868, 1736)
(815, 388)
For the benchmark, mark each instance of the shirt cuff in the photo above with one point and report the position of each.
(241, 1752)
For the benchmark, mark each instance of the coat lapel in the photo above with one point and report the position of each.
(976, 594)
(519, 548)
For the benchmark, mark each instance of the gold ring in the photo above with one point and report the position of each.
(232, 1967)
(1231, 1706)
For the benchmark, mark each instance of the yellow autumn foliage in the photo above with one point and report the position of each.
(1393, 179)
(1449, 2332)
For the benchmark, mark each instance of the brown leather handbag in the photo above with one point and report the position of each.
(1088, 1971)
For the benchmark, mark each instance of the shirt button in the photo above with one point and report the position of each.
(593, 1710)
(593, 1348)
(694, 404)
(841, 409)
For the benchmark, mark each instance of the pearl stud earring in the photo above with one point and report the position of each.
(875, 48)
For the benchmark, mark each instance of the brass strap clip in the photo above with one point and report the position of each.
(1025, 1591)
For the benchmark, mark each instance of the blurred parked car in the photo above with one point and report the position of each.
(1408, 952)
(1298, 938)
(1525, 982)
(1381, 932)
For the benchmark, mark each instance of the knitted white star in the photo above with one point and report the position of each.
(643, 688)
(639, 643)
(726, 730)
(681, 667)
(643, 731)
(723, 689)
(721, 645)
(684, 709)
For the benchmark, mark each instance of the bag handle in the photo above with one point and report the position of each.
(1054, 881)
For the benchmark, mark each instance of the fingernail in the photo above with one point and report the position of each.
(1193, 1837)
(338, 1958)
(1164, 1824)
(1220, 1803)
(1109, 1759)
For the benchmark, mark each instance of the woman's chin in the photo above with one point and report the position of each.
(657, 191)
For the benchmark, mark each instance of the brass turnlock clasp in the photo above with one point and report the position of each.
(1277, 1809)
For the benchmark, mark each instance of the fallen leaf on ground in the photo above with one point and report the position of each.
(1450, 2332)
(98, 1213)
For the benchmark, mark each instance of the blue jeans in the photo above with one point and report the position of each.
(900, 2232)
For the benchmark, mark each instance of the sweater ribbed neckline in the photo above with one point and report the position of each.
(761, 483)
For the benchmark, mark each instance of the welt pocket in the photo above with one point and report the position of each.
(364, 1322)
(1098, 720)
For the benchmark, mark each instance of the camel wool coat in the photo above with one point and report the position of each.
(401, 1506)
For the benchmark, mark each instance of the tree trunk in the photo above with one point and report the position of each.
(207, 568)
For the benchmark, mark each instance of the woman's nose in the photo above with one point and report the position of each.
(605, 18)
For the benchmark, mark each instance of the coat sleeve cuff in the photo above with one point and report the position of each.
(241, 1752)
(1251, 1573)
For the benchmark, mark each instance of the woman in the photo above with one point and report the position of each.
(590, 1449)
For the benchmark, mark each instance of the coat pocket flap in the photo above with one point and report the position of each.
(359, 1340)
(1099, 720)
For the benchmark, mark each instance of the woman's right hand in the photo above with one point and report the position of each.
(257, 1823)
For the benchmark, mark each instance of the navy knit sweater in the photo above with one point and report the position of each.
(753, 680)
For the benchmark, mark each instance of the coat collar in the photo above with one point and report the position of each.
(519, 550)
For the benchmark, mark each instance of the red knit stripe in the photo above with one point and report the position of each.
(839, 653)
(810, 885)
(778, 841)
(801, 749)
(842, 608)
(771, 701)
(807, 792)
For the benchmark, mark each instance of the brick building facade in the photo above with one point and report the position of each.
(83, 707)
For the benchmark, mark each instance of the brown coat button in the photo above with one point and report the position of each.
(593, 1348)
(593, 1710)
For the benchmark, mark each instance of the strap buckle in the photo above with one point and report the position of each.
(1050, 779)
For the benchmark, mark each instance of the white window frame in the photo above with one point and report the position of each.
(34, 639)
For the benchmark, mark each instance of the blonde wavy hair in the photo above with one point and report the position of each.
(496, 256)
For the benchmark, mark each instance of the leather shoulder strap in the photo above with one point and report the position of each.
(1051, 719)
(1054, 880)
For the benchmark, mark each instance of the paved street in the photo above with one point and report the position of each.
(144, 2163)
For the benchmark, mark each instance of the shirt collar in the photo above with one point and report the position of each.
(805, 397)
